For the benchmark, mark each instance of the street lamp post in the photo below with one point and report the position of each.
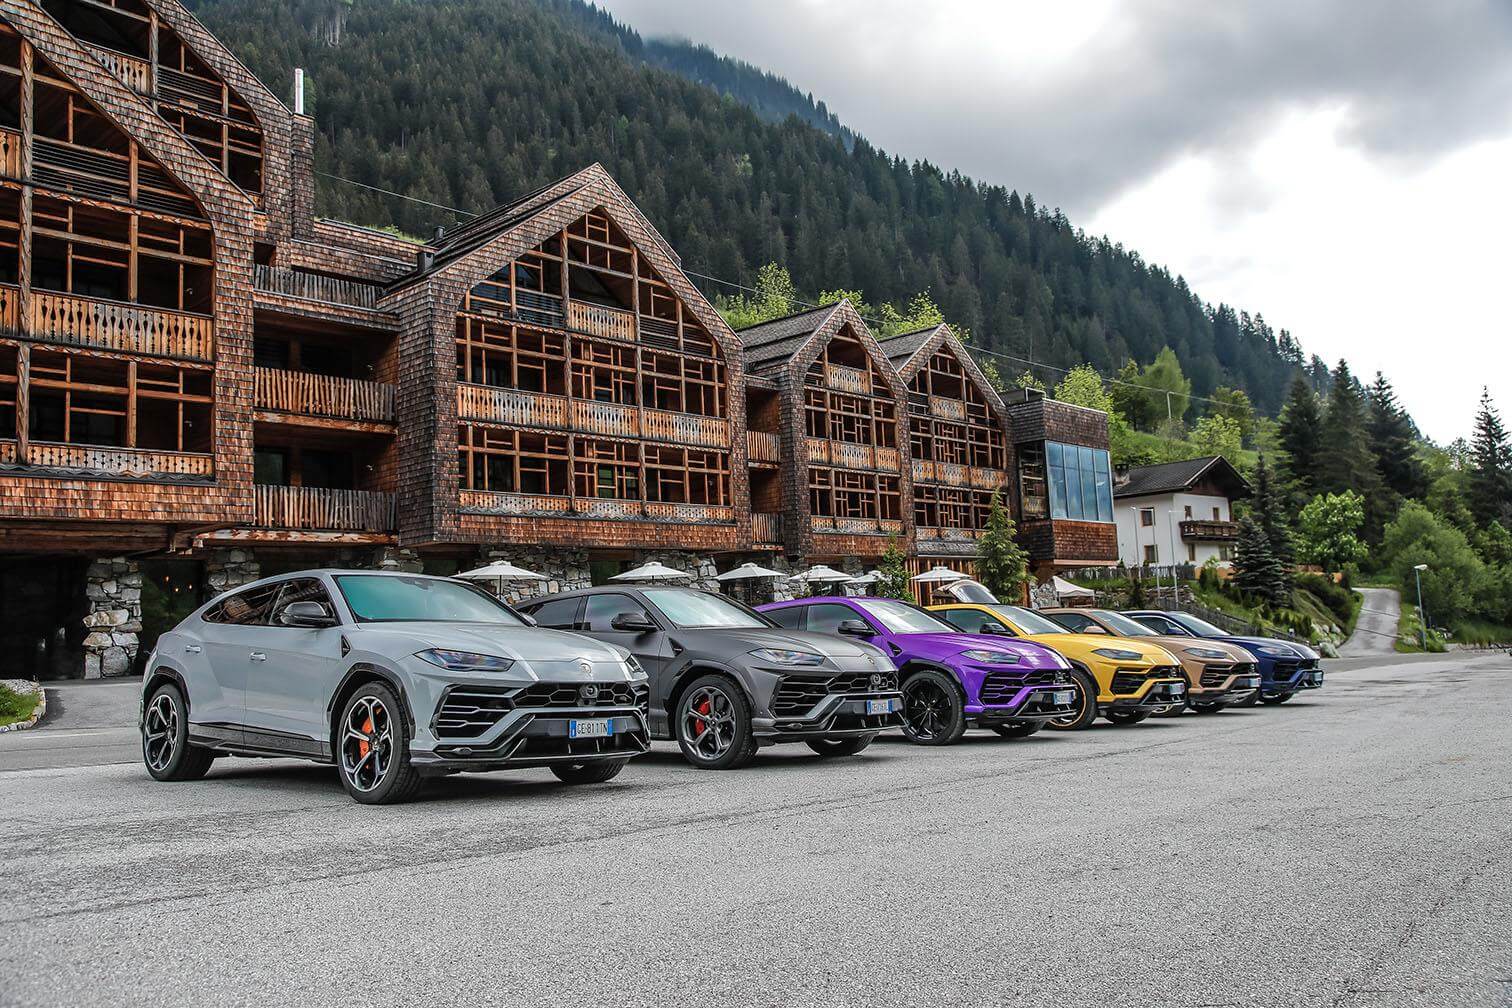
(1171, 539)
(1422, 616)
(1139, 547)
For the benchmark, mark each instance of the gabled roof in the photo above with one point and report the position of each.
(908, 352)
(902, 348)
(1173, 477)
(770, 345)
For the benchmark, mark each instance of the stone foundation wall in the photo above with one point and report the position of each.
(113, 591)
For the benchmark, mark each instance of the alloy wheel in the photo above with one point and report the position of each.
(708, 722)
(160, 732)
(367, 743)
(926, 708)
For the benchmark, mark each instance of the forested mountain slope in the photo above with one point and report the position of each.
(469, 103)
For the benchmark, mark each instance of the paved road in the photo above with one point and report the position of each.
(1346, 849)
(87, 723)
(1376, 629)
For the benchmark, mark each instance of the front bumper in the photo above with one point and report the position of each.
(835, 715)
(1225, 682)
(538, 737)
(1161, 690)
(1293, 676)
(1035, 702)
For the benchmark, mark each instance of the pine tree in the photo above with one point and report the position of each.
(1345, 461)
(1256, 569)
(1270, 516)
(1393, 442)
(1490, 483)
(1299, 432)
(894, 570)
(1002, 565)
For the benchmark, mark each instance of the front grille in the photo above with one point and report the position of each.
(1217, 675)
(1001, 687)
(797, 694)
(469, 711)
(1130, 680)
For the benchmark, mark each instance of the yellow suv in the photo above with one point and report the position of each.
(1122, 679)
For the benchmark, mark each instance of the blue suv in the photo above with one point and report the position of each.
(1286, 667)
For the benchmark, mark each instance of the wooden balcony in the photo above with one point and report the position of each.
(318, 509)
(115, 463)
(1209, 531)
(846, 379)
(10, 308)
(596, 320)
(844, 455)
(947, 409)
(857, 526)
(116, 325)
(766, 529)
(134, 72)
(939, 534)
(314, 395)
(534, 409)
(763, 447)
(314, 287)
(487, 502)
(10, 153)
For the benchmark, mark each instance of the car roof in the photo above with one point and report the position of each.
(331, 572)
(614, 589)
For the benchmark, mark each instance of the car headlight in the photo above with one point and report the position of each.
(1276, 650)
(987, 657)
(1118, 654)
(465, 661)
(1206, 652)
(782, 656)
(636, 672)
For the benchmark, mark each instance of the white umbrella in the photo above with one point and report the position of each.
(821, 574)
(501, 570)
(748, 571)
(1065, 589)
(869, 578)
(653, 572)
(939, 574)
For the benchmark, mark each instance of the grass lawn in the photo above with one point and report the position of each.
(16, 706)
(1477, 632)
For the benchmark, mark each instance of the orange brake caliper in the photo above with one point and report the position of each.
(367, 729)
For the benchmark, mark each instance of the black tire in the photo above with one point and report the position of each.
(1021, 730)
(166, 751)
(372, 748)
(714, 704)
(596, 772)
(1086, 698)
(934, 712)
(846, 745)
(1207, 707)
(1277, 698)
(1126, 717)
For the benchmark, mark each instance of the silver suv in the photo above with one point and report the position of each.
(392, 677)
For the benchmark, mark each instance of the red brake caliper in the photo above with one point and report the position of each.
(703, 707)
(367, 729)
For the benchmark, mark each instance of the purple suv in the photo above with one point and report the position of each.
(950, 680)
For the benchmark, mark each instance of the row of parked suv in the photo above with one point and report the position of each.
(397, 677)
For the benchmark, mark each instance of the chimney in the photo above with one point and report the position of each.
(299, 90)
(424, 259)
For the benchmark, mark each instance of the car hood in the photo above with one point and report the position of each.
(549, 654)
(1147, 651)
(1176, 645)
(946, 646)
(830, 645)
(1261, 641)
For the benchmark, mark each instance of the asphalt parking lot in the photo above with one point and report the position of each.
(1350, 848)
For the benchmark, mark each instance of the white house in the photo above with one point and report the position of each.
(1177, 512)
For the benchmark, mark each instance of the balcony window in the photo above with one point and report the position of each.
(1081, 482)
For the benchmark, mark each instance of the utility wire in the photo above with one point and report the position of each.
(806, 304)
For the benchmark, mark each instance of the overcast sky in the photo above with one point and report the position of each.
(1342, 168)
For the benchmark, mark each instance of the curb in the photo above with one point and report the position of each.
(38, 715)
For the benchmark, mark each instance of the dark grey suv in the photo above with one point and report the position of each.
(726, 680)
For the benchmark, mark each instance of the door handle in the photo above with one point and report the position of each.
(193, 648)
(258, 656)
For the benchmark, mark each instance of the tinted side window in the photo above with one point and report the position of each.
(1162, 625)
(791, 617)
(1074, 622)
(827, 617)
(559, 614)
(600, 611)
(248, 608)
(301, 590)
(969, 620)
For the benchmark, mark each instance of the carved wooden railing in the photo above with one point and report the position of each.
(610, 323)
(949, 473)
(115, 325)
(986, 478)
(766, 528)
(534, 409)
(1209, 531)
(318, 509)
(10, 153)
(846, 455)
(494, 502)
(947, 409)
(134, 72)
(691, 514)
(846, 379)
(497, 503)
(324, 396)
(10, 308)
(314, 287)
(138, 463)
(858, 526)
(609, 419)
(763, 446)
(524, 409)
(946, 534)
(685, 428)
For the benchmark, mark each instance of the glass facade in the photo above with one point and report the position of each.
(1081, 482)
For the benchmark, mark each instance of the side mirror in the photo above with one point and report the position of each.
(854, 628)
(529, 619)
(1093, 628)
(996, 630)
(632, 622)
(309, 615)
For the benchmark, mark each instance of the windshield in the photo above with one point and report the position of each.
(1027, 620)
(691, 610)
(900, 617)
(376, 598)
(1197, 626)
(1122, 625)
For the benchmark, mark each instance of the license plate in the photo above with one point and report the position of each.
(881, 706)
(1316, 678)
(1251, 683)
(1063, 697)
(600, 728)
